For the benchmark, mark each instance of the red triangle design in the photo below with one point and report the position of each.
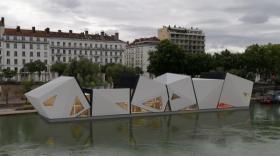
(224, 106)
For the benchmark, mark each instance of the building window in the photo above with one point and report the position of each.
(85, 52)
(75, 52)
(64, 59)
(23, 38)
(23, 53)
(31, 46)
(15, 61)
(31, 38)
(15, 53)
(45, 39)
(8, 53)
(23, 45)
(69, 52)
(45, 54)
(63, 44)
(23, 61)
(38, 46)
(46, 61)
(38, 54)
(7, 45)
(45, 47)
(8, 61)
(58, 43)
(69, 44)
(64, 52)
(38, 39)
(15, 45)
(31, 54)
(52, 43)
(15, 38)
(52, 59)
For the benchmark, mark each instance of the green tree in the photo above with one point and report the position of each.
(114, 73)
(8, 73)
(167, 57)
(59, 68)
(87, 73)
(36, 66)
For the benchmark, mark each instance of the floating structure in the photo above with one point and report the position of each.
(62, 98)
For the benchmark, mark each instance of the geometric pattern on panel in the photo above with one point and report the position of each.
(224, 106)
(50, 101)
(55, 99)
(190, 108)
(150, 95)
(175, 96)
(236, 92)
(123, 105)
(208, 92)
(182, 96)
(155, 103)
(77, 107)
(136, 109)
(110, 102)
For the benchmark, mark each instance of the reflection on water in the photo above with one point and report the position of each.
(240, 132)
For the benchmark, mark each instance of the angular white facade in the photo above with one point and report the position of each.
(150, 95)
(63, 97)
(208, 92)
(60, 98)
(180, 90)
(236, 92)
(110, 102)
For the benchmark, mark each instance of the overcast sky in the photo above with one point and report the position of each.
(232, 24)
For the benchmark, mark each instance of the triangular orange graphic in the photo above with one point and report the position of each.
(155, 103)
(77, 107)
(191, 107)
(175, 96)
(123, 105)
(50, 101)
(136, 109)
(224, 106)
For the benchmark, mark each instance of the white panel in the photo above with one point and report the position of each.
(105, 101)
(148, 89)
(207, 92)
(236, 91)
(184, 89)
(169, 78)
(66, 89)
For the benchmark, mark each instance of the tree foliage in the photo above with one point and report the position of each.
(257, 59)
(167, 57)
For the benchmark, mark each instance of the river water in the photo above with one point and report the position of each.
(231, 133)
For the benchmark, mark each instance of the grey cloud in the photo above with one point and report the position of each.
(134, 18)
(254, 18)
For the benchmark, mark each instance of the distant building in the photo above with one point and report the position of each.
(137, 53)
(190, 40)
(20, 46)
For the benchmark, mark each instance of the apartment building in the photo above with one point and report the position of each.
(137, 53)
(20, 46)
(190, 40)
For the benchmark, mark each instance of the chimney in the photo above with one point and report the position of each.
(70, 31)
(2, 23)
(33, 29)
(59, 31)
(102, 33)
(86, 32)
(116, 37)
(18, 28)
(47, 30)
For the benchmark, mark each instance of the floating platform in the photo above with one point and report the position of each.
(62, 99)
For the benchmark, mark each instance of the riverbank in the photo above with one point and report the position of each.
(14, 111)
